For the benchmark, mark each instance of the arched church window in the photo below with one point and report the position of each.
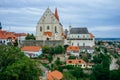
(48, 28)
(55, 29)
(40, 28)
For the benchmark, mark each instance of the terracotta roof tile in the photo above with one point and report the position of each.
(74, 61)
(11, 35)
(48, 33)
(91, 35)
(73, 48)
(54, 75)
(31, 48)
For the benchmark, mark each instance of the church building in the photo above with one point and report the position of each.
(49, 26)
(80, 37)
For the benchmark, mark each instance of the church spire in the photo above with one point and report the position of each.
(56, 14)
(0, 26)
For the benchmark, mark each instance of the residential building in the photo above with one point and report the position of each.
(80, 37)
(54, 75)
(32, 51)
(73, 50)
(7, 36)
(49, 26)
(78, 62)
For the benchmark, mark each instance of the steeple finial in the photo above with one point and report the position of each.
(56, 14)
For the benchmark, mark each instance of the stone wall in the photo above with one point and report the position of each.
(41, 43)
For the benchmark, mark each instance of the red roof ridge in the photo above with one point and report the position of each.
(31, 48)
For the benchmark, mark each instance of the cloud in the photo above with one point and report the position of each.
(98, 15)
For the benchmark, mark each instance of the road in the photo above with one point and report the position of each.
(113, 65)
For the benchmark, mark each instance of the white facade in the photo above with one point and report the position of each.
(5, 41)
(80, 38)
(49, 27)
(32, 54)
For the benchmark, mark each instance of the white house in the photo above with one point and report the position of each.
(80, 37)
(32, 51)
(79, 63)
(73, 50)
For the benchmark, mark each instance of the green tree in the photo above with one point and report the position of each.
(68, 76)
(72, 57)
(115, 75)
(50, 58)
(52, 50)
(77, 72)
(14, 65)
(59, 49)
(30, 37)
(100, 73)
(46, 49)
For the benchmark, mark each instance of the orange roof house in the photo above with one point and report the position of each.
(31, 48)
(54, 75)
(10, 35)
(79, 62)
(74, 61)
(73, 48)
(32, 51)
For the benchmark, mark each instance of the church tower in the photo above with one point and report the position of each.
(49, 26)
(0, 26)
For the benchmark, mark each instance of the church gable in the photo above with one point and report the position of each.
(48, 17)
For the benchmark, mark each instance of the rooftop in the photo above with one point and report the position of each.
(31, 48)
(79, 31)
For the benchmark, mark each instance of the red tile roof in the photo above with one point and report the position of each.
(10, 35)
(54, 75)
(73, 48)
(48, 33)
(31, 48)
(74, 61)
(91, 35)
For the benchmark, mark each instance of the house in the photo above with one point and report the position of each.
(54, 75)
(73, 50)
(87, 49)
(32, 51)
(80, 37)
(49, 26)
(6, 36)
(78, 62)
(118, 51)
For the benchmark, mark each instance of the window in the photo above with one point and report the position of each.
(72, 44)
(55, 29)
(70, 61)
(47, 27)
(83, 44)
(40, 28)
(77, 44)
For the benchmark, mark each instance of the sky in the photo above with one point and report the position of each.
(101, 17)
